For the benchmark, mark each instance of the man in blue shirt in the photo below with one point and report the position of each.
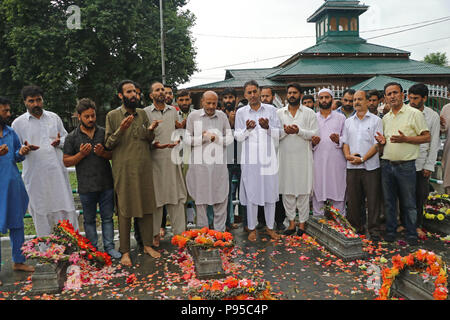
(13, 196)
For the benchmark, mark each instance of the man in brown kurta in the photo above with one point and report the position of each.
(129, 135)
(167, 175)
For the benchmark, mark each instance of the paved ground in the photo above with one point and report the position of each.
(297, 270)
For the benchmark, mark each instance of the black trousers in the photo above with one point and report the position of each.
(362, 182)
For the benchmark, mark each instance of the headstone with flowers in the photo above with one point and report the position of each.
(204, 245)
(55, 253)
(336, 234)
(437, 213)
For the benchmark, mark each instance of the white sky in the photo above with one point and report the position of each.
(287, 18)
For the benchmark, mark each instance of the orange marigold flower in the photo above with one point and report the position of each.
(217, 286)
(409, 260)
(421, 255)
(204, 230)
(440, 293)
(431, 258)
(212, 233)
(397, 261)
(227, 236)
(219, 243)
(219, 235)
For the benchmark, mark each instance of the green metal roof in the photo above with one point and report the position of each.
(338, 5)
(358, 66)
(352, 48)
(238, 77)
(378, 83)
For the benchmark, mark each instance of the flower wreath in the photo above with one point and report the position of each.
(231, 288)
(336, 221)
(65, 244)
(435, 267)
(205, 238)
(437, 206)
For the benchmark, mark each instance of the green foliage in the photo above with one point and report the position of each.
(118, 39)
(438, 58)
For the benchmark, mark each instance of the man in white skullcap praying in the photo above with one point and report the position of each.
(329, 161)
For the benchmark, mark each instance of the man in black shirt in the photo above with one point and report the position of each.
(84, 149)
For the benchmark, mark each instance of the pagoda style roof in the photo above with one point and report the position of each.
(358, 66)
(378, 83)
(235, 78)
(347, 5)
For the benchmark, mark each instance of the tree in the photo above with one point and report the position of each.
(118, 39)
(437, 58)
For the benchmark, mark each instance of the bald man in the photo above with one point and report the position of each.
(208, 132)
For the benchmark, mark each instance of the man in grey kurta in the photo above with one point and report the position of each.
(129, 135)
(167, 175)
(208, 131)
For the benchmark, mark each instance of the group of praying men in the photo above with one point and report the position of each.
(163, 156)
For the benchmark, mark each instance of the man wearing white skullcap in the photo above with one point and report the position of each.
(329, 161)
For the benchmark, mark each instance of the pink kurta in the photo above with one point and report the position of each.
(329, 162)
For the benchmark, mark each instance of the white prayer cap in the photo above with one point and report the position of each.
(326, 90)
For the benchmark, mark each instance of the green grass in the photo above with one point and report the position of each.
(28, 221)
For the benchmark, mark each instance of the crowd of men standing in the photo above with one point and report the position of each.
(367, 159)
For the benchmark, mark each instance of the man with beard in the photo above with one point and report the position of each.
(167, 176)
(425, 163)
(13, 196)
(405, 129)
(296, 158)
(44, 174)
(184, 102)
(129, 135)
(84, 149)
(168, 90)
(258, 128)
(347, 104)
(363, 166)
(329, 161)
(267, 95)
(234, 169)
(208, 132)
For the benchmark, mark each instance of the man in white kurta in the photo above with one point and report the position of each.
(296, 157)
(208, 131)
(257, 126)
(44, 174)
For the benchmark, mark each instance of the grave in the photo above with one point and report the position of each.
(49, 278)
(208, 263)
(345, 248)
(411, 286)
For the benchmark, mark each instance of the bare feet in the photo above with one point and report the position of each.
(420, 233)
(400, 228)
(162, 232)
(273, 234)
(252, 236)
(151, 252)
(126, 261)
(23, 267)
(156, 241)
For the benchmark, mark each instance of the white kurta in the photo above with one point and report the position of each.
(295, 152)
(207, 176)
(44, 174)
(259, 164)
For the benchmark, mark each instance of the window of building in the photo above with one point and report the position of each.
(333, 24)
(343, 24)
(354, 24)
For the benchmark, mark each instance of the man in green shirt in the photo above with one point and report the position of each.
(404, 130)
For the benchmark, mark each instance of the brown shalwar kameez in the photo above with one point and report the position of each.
(132, 173)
